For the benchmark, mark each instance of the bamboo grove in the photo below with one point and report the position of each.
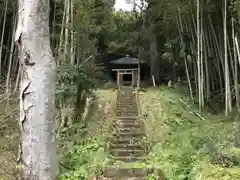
(214, 52)
(200, 38)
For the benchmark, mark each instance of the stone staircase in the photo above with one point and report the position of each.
(126, 145)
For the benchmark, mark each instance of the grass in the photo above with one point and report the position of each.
(185, 146)
(8, 138)
(80, 156)
(180, 143)
(87, 157)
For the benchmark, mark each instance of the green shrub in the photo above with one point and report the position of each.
(84, 159)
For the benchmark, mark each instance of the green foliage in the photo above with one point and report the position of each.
(72, 80)
(84, 159)
(194, 149)
(82, 151)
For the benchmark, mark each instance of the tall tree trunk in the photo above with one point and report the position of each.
(235, 68)
(154, 58)
(62, 31)
(198, 57)
(201, 57)
(37, 153)
(180, 29)
(227, 88)
(66, 46)
(72, 52)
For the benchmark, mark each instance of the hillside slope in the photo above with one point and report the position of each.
(184, 145)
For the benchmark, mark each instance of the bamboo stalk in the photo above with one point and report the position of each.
(72, 36)
(10, 57)
(3, 33)
(227, 93)
(235, 68)
(180, 29)
(198, 57)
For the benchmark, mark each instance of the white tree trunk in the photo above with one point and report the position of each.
(198, 57)
(37, 154)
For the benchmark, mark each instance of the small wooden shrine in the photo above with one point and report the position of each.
(127, 66)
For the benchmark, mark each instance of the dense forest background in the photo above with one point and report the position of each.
(192, 44)
(171, 37)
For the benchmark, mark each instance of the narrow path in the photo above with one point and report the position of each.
(126, 143)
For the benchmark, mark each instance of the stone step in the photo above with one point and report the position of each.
(122, 121)
(130, 109)
(128, 134)
(128, 130)
(126, 111)
(123, 96)
(131, 114)
(121, 104)
(128, 117)
(127, 125)
(118, 114)
(126, 138)
(133, 125)
(127, 121)
(126, 141)
(127, 103)
(129, 98)
(127, 152)
(126, 106)
(128, 159)
(129, 146)
(127, 172)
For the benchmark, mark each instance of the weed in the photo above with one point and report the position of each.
(185, 146)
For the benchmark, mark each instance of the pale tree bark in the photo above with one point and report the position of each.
(66, 47)
(227, 84)
(235, 69)
(61, 34)
(180, 29)
(72, 53)
(198, 57)
(154, 57)
(37, 153)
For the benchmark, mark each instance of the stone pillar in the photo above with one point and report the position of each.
(118, 78)
(121, 78)
(135, 76)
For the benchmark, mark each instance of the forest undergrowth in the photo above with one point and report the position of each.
(86, 156)
(180, 143)
(185, 145)
(9, 136)
(81, 148)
